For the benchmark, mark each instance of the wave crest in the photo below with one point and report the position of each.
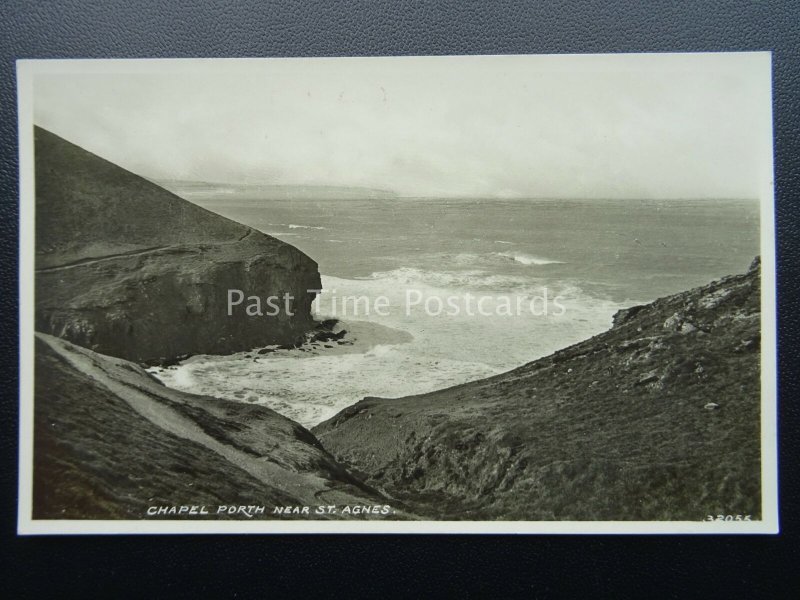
(528, 259)
(293, 226)
(445, 280)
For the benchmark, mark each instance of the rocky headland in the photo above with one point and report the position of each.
(126, 268)
(658, 418)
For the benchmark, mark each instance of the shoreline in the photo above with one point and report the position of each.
(461, 452)
(338, 365)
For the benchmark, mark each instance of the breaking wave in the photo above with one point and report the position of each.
(471, 279)
(293, 226)
(528, 259)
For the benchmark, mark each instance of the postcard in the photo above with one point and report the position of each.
(451, 294)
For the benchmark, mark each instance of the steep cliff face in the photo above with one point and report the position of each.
(656, 419)
(127, 268)
(110, 441)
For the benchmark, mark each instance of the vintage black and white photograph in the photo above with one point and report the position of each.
(512, 294)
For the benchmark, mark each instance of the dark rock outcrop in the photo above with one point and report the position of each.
(656, 419)
(111, 441)
(127, 268)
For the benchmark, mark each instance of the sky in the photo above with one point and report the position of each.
(613, 126)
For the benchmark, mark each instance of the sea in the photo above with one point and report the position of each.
(547, 274)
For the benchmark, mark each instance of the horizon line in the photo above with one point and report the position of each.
(392, 195)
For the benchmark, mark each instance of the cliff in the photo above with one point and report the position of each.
(656, 419)
(111, 441)
(129, 269)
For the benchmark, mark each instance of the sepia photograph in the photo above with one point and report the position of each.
(426, 294)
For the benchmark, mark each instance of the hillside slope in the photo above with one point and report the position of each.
(656, 419)
(127, 268)
(110, 441)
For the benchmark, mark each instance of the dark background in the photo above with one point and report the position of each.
(274, 566)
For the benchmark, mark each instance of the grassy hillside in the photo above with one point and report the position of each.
(110, 441)
(88, 207)
(656, 419)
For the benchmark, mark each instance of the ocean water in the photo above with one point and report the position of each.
(584, 259)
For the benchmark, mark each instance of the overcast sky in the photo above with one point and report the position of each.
(657, 126)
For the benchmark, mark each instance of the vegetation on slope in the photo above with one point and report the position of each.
(126, 268)
(656, 419)
(110, 441)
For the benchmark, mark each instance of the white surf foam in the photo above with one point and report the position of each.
(293, 226)
(467, 278)
(401, 353)
(528, 259)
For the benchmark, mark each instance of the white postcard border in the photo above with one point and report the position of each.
(27, 70)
